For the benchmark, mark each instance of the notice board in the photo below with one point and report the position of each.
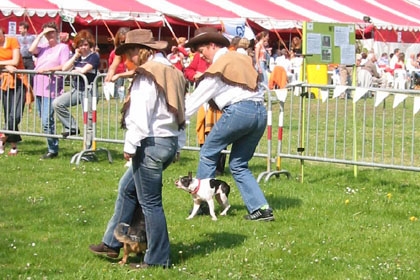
(329, 43)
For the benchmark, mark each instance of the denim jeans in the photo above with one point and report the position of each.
(242, 125)
(13, 107)
(69, 99)
(263, 66)
(125, 206)
(46, 113)
(264, 80)
(151, 158)
(61, 105)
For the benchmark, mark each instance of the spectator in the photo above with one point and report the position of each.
(25, 40)
(51, 56)
(411, 63)
(196, 68)
(400, 64)
(418, 60)
(234, 43)
(117, 64)
(364, 58)
(383, 61)
(153, 119)
(260, 56)
(13, 89)
(297, 61)
(371, 66)
(243, 45)
(296, 45)
(185, 51)
(84, 61)
(284, 60)
(400, 76)
(394, 59)
(243, 121)
(176, 58)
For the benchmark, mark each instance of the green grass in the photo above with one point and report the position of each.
(331, 226)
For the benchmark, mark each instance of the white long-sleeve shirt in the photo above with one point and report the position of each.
(222, 93)
(148, 115)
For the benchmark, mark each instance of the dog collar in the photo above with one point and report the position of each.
(197, 188)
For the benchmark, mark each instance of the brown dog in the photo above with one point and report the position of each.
(132, 236)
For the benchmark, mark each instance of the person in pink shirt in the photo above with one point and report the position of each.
(51, 56)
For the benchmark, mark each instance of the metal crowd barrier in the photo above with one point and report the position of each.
(378, 132)
(30, 122)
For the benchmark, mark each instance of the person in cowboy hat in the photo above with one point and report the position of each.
(154, 118)
(230, 83)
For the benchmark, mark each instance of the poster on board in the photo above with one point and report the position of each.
(329, 43)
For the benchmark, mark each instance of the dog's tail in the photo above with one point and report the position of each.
(120, 233)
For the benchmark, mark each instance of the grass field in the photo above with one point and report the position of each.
(331, 226)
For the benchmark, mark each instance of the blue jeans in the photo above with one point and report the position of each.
(69, 99)
(242, 124)
(263, 66)
(61, 105)
(125, 206)
(46, 113)
(151, 158)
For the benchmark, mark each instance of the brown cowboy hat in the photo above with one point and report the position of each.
(140, 38)
(205, 35)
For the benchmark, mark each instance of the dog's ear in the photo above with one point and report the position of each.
(190, 175)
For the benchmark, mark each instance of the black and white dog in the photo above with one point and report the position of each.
(204, 190)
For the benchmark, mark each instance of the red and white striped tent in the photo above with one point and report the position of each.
(392, 20)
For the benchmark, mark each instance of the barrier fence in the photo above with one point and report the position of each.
(378, 132)
(30, 123)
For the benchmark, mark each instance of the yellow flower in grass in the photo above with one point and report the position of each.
(389, 195)
(413, 218)
(346, 201)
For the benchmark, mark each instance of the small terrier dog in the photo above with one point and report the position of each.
(132, 236)
(204, 190)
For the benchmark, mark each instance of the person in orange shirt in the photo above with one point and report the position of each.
(13, 90)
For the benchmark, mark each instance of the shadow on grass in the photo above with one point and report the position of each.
(283, 203)
(215, 241)
(180, 252)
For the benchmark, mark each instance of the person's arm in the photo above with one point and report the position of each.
(207, 89)
(70, 63)
(14, 61)
(257, 56)
(126, 74)
(33, 49)
(190, 72)
(112, 68)
(375, 72)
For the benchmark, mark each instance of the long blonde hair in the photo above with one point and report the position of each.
(142, 57)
